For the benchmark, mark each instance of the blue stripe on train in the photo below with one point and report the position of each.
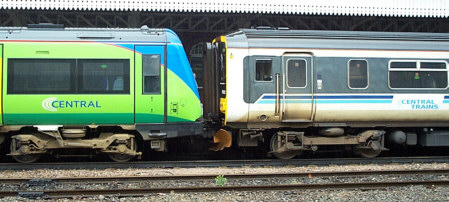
(329, 101)
(354, 101)
(288, 97)
(446, 99)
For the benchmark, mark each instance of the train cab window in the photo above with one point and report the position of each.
(358, 74)
(151, 66)
(104, 76)
(296, 73)
(263, 70)
(40, 76)
(422, 74)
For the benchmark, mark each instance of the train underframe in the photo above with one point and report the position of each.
(28, 144)
(287, 143)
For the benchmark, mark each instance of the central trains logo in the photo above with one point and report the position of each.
(47, 104)
(53, 104)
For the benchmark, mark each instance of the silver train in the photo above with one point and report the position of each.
(307, 90)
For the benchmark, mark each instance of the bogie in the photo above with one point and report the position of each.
(28, 147)
(288, 144)
(277, 148)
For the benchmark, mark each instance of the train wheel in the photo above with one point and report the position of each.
(368, 153)
(117, 157)
(283, 155)
(28, 158)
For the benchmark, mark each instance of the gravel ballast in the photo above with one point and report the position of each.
(408, 193)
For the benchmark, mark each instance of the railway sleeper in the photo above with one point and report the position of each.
(121, 146)
(368, 143)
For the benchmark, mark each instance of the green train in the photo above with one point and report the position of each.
(102, 90)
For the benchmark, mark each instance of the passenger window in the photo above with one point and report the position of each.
(151, 66)
(40, 76)
(263, 70)
(402, 65)
(422, 75)
(358, 74)
(296, 73)
(104, 76)
(68, 76)
(433, 65)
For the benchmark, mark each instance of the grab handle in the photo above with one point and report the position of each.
(277, 106)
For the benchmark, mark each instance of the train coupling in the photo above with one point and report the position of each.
(222, 139)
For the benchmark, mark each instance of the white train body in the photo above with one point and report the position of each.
(322, 87)
(327, 97)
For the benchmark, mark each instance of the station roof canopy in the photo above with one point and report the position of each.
(387, 8)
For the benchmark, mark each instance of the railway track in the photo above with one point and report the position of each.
(58, 187)
(43, 181)
(147, 191)
(224, 163)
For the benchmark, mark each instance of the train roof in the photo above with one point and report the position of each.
(51, 32)
(285, 38)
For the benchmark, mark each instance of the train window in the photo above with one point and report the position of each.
(296, 73)
(151, 66)
(358, 74)
(403, 65)
(40, 76)
(424, 75)
(263, 70)
(104, 76)
(433, 65)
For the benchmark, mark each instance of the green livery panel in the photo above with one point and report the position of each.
(77, 83)
(23, 108)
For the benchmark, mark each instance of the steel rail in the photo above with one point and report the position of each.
(224, 163)
(147, 191)
(91, 180)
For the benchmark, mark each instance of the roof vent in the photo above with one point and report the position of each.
(144, 28)
(45, 26)
(95, 35)
(283, 28)
(265, 27)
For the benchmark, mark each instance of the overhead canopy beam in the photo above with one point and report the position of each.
(188, 25)
(379, 8)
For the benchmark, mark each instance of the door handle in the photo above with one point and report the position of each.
(277, 105)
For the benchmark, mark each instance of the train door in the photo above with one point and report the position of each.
(263, 88)
(150, 71)
(297, 98)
